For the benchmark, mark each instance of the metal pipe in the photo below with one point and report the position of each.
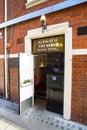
(5, 50)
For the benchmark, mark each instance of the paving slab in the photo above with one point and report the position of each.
(8, 125)
(35, 118)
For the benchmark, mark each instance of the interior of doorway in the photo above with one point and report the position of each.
(40, 80)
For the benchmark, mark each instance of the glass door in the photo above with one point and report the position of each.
(55, 82)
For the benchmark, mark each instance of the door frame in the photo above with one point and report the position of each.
(52, 30)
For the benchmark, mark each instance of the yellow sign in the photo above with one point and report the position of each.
(48, 44)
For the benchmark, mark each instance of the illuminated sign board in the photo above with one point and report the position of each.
(48, 44)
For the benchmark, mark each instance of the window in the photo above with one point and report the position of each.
(31, 3)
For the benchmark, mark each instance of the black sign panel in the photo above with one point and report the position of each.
(82, 30)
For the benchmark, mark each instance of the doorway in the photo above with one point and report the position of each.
(56, 29)
(40, 80)
(49, 81)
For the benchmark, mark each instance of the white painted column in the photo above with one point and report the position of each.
(68, 74)
(28, 45)
(5, 51)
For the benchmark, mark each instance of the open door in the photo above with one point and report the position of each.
(26, 82)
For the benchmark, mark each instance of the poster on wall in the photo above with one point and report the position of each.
(26, 83)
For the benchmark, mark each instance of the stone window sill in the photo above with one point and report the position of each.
(33, 3)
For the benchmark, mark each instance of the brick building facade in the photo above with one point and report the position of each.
(22, 24)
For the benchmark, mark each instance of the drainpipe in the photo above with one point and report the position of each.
(5, 50)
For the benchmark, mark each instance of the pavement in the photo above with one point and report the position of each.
(8, 125)
(33, 118)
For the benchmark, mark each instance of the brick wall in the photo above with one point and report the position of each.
(16, 36)
(14, 79)
(79, 89)
(1, 11)
(14, 10)
(16, 33)
(2, 42)
(79, 67)
(1, 77)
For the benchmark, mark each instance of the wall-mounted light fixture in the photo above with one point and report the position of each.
(8, 46)
(43, 23)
